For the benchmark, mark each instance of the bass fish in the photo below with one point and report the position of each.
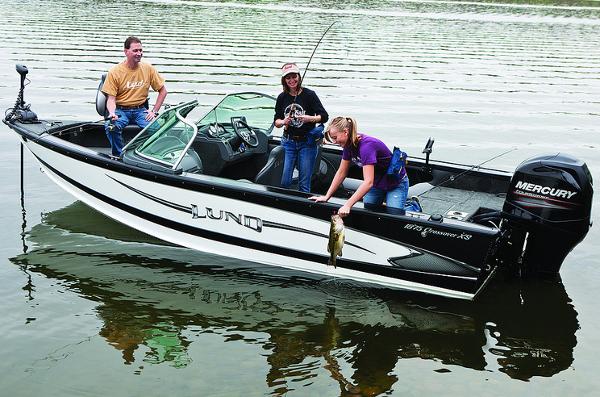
(336, 239)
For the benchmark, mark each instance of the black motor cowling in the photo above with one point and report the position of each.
(547, 210)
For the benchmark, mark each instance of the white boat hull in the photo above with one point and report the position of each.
(224, 226)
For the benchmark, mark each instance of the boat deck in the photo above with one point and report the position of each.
(450, 202)
(458, 203)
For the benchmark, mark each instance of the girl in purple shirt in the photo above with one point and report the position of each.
(374, 157)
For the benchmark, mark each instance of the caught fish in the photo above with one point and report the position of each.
(336, 239)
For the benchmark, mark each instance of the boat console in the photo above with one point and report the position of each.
(236, 131)
(220, 145)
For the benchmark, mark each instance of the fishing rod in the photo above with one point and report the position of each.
(293, 105)
(453, 178)
(315, 50)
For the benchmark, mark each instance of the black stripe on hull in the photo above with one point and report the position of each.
(275, 225)
(462, 284)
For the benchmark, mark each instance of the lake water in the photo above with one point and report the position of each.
(90, 307)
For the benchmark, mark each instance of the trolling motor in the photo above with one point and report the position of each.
(21, 111)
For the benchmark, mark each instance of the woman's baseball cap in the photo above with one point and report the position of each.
(289, 68)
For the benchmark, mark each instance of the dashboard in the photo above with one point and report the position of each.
(220, 145)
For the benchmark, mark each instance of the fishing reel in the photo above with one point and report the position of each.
(294, 112)
(21, 111)
(111, 124)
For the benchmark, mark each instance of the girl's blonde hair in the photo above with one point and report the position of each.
(341, 124)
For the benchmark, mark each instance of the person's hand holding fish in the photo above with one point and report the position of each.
(344, 210)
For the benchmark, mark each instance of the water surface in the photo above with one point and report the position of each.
(91, 307)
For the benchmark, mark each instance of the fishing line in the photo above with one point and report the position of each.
(453, 178)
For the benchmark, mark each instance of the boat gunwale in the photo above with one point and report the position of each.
(233, 188)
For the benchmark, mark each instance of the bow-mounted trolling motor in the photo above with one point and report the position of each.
(547, 212)
(21, 112)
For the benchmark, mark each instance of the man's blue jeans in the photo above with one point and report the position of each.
(126, 117)
(395, 198)
(303, 155)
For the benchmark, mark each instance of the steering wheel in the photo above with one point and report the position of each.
(244, 131)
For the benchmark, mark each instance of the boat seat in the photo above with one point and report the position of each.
(419, 189)
(271, 173)
(317, 165)
(351, 184)
(191, 162)
(102, 98)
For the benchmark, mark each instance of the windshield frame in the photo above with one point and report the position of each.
(177, 108)
(140, 140)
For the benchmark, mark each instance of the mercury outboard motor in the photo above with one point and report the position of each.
(547, 211)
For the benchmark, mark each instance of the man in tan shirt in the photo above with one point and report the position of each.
(127, 85)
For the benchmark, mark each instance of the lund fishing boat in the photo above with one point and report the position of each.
(212, 185)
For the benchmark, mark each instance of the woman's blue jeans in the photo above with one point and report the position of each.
(126, 117)
(395, 198)
(302, 155)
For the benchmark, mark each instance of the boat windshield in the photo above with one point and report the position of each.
(168, 137)
(255, 108)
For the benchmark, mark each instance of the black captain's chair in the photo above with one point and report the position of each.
(101, 98)
(271, 173)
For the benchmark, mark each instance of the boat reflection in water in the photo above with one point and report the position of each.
(152, 303)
